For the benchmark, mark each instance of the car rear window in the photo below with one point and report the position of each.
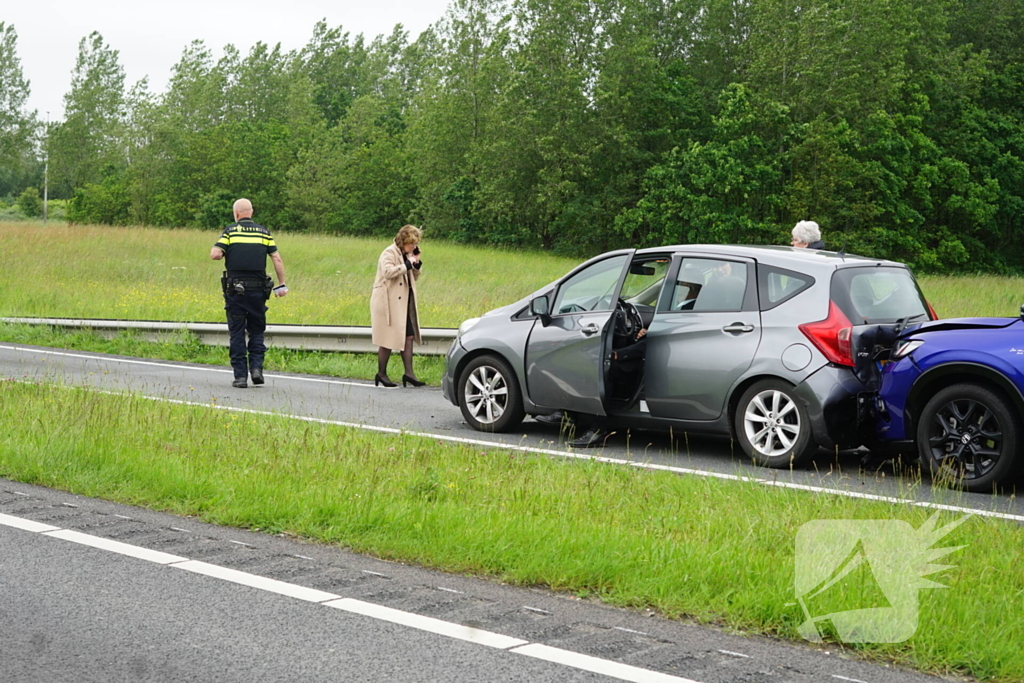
(877, 295)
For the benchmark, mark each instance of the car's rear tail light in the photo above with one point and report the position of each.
(832, 336)
(931, 311)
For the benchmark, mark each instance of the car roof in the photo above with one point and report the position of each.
(791, 257)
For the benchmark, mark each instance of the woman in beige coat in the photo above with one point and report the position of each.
(393, 304)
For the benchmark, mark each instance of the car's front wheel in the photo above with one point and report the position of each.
(489, 395)
(772, 425)
(968, 437)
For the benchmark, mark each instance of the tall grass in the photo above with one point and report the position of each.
(715, 551)
(56, 270)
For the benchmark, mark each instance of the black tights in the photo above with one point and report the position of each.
(384, 355)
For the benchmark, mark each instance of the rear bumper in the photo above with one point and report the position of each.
(839, 407)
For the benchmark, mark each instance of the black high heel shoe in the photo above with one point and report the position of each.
(377, 379)
(411, 380)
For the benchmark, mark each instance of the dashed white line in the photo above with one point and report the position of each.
(254, 581)
(629, 630)
(623, 672)
(408, 619)
(852, 680)
(118, 547)
(367, 571)
(449, 590)
(536, 610)
(422, 623)
(25, 524)
(734, 654)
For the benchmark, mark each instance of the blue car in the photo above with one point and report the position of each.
(953, 390)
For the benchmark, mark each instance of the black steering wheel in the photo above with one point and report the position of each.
(627, 320)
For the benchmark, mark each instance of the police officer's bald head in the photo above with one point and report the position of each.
(243, 209)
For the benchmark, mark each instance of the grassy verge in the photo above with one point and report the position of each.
(187, 348)
(714, 551)
(56, 270)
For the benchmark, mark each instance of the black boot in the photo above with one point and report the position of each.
(257, 375)
(240, 383)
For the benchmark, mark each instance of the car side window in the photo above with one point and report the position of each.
(778, 285)
(705, 284)
(590, 289)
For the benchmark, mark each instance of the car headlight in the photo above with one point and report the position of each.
(465, 327)
(905, 348)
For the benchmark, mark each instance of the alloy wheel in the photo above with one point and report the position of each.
(965, 438)
(771, 422)
(486, 394)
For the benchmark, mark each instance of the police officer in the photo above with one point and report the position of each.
(245, 246)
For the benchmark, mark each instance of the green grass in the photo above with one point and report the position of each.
(718, 552)
(56, 270)
(187, 348)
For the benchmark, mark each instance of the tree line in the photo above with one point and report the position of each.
(574, 126)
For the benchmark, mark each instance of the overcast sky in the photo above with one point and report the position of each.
(150, 38)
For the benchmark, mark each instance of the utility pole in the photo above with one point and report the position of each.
(46, 170)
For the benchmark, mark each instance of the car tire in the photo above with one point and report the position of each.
(773, 427)
(489, 395)
(968, 437)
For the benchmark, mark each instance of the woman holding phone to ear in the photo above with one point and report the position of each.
(395, 323)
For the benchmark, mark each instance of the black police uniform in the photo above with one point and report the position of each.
(246, 245)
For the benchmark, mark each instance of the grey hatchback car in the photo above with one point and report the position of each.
(757, 343)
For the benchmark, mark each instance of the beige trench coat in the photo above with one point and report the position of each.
(390, 300)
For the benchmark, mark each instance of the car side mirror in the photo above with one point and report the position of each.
(541, 308)
(1022, 311)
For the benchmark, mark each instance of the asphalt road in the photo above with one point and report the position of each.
(203, 609)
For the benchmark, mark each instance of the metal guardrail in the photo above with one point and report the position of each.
(345, 338)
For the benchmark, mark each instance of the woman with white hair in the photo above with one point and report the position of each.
(807, 235)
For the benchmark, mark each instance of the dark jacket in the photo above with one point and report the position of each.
(816, 245)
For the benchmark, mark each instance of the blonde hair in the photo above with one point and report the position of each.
(409, 234)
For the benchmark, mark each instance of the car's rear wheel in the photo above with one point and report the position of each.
(772, 425)
(968, 436)
(489, 395)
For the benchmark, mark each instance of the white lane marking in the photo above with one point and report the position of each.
(629, 630)
(852, 680)
(115, 546)
(734, 654)
(25, 524)
(449, 590)
(422, 623)
(211, 368)
(576, 660)
(408, 619)
(253, 581)
(537, 610)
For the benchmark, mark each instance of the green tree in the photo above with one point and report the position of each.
(729, 189)
(29, 203)
(17, 125)
(91, 137)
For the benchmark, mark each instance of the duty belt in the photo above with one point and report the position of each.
(232, 286)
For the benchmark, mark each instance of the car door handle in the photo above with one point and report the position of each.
(738, 327)
(590, 329)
